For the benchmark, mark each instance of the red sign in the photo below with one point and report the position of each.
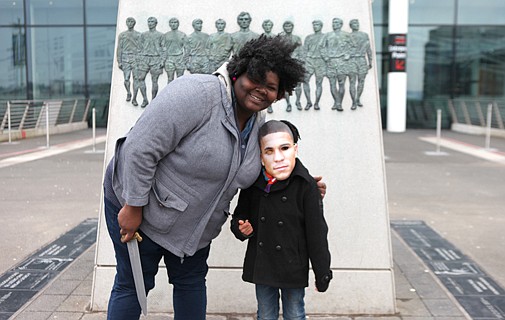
(400, 65)
(397, 52)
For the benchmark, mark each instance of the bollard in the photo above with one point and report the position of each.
(439, 128)
(488, 126)
(47, 125)
(94, 129)
(438, 139)
(9, 121)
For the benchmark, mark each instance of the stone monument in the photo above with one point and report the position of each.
(341, 140)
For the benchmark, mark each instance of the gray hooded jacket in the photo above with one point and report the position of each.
(181, 162)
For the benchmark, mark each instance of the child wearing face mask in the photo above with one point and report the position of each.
(281, 215)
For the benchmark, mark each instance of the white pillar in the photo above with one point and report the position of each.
(397, 77)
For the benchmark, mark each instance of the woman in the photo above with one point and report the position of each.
(174, 174)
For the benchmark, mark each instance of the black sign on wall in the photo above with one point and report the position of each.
(397, 52)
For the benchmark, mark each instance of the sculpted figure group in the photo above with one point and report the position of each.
(337, 55)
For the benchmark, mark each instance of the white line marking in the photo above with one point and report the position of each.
(490, 155)
(52, 151)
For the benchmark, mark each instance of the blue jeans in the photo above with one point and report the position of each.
(293, 306)
(187, 276)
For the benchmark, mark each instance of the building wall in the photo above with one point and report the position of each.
(455, 50)
(57, 49)
(63, 49)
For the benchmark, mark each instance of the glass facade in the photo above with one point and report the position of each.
(455, 50)
(11, 12)
(58, 49)
(57, 62)
(54, 12)
(65, 49)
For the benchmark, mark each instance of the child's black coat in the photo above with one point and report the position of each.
(289, 229)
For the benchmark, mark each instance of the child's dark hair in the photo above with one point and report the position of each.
(274, 126)
(263, 54)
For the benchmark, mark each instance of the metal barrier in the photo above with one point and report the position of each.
(469, 115)
(472, 112)
(478, 116)
(423, 113)
(36, 117)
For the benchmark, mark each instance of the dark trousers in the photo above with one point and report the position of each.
(186, 275)
(293, 305)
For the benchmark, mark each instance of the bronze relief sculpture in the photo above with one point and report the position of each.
(338, 55)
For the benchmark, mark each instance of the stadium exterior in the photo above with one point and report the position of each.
(53, 49)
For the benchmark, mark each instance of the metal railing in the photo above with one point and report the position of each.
(423, 113)
(473, 112)
(471, 115)
(20, 116)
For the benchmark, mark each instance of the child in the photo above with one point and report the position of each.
(282, 216)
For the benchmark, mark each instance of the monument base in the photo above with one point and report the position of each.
(352, 292)
(341, 140)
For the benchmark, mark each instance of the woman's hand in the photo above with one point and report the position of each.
(129, 219)
(321, 185)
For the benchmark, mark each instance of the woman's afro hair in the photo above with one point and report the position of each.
(263, 54)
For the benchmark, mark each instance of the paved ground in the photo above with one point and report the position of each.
(460, 195)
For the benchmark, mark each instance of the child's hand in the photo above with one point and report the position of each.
(323, 283)
(245, 227)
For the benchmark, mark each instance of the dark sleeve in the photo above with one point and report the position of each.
(242, 212)
(316, 232)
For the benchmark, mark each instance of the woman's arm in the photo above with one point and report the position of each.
(321, 185)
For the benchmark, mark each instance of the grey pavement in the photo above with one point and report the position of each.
(458, 195)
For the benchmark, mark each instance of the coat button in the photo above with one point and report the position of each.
(260, 243)
(278, 248)
(280, 223)
(263, 219)
(159, 203)
(284, 199)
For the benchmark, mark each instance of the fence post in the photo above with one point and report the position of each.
(478, 107)
(23, 118)
(452, 110)
(465, 113)
(71, 118)
(497, 114)
(85, 114)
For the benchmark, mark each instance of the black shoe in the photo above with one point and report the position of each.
(299, 106)
(308, 106)
(288, 108)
